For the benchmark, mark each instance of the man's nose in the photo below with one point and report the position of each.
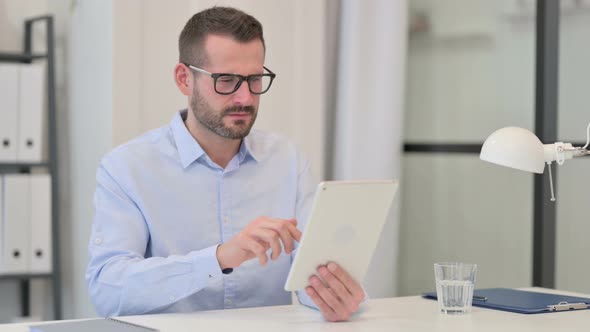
(243, 96)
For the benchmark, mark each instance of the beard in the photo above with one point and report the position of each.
(213, 119)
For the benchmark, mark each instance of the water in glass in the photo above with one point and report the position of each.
(454, 296)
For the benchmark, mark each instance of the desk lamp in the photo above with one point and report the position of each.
(519, 148)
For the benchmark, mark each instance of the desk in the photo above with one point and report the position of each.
(410, 314)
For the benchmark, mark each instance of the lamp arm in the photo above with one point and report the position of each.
(561, 152)
(581, 152)
(577, 151)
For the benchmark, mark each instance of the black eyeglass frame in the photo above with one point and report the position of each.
(241, 79)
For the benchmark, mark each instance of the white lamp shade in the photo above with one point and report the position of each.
(514, 147)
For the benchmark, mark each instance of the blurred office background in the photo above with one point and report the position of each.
(368, 89)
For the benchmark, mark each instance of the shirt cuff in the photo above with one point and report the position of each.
(206, 260)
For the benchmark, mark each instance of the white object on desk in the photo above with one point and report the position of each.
(344, 226)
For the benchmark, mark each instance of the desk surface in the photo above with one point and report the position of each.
(392, 314)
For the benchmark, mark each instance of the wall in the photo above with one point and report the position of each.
(368, 117)
(470, 72)
(573, 185)
(91, 131)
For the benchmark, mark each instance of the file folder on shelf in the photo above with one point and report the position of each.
(31, 138)
(524, 302)
(40, 207)
(9, 108)
(16, 225)
(1, 223)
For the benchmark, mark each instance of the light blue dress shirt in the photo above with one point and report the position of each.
(163, 207)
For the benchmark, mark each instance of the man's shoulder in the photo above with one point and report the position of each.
(266, 142)
(147, 146)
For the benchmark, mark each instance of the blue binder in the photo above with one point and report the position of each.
(524, 302)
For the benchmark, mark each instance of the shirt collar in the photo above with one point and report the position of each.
(247, 148)
(190, 150)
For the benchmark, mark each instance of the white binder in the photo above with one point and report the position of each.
(9, 108)
(16, 228)
(40, 207)
(31, 138)
(1, 224)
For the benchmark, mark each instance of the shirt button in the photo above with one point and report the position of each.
(98, 240)
(228, 302)
(225, 220)
(171, 298)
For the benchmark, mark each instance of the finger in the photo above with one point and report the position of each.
(270, 238)
(291, 226)
(330, 298)
(258, 250)
(339, 290)
(325, 309)
(281, 228)
(353, 287)
(287, 231)
(295, 232)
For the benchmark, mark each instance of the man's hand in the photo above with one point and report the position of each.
(254, 240)
(339, 297)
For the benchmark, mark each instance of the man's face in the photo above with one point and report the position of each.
(230, 116)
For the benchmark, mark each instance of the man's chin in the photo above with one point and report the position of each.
(237, 133)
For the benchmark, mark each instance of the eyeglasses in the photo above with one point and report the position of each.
(226, 84)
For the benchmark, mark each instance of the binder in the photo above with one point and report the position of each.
(16, 227)
(9, 97)
(1, 223)
(40, 206)
(31, 142)
(92, 325)
(524, 302)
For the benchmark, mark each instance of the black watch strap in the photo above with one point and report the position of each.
(227, 270)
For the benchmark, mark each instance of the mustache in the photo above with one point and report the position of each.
(239, 109)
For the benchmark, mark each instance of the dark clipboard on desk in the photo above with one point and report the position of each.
(524, 302)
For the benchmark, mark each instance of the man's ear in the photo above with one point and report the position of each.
(184, 79)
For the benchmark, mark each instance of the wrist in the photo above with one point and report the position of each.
(221, 259)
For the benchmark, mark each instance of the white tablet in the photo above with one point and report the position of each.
(344, 226)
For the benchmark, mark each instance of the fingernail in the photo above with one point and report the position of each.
(332, 267)
(315, 281)
(323, 271)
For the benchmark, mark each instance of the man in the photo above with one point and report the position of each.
(205, 213)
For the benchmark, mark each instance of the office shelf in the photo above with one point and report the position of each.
(7, 167)
(26, 276)
(28, 56)
(20, 57)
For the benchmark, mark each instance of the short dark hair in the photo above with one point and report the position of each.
(225, 21)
